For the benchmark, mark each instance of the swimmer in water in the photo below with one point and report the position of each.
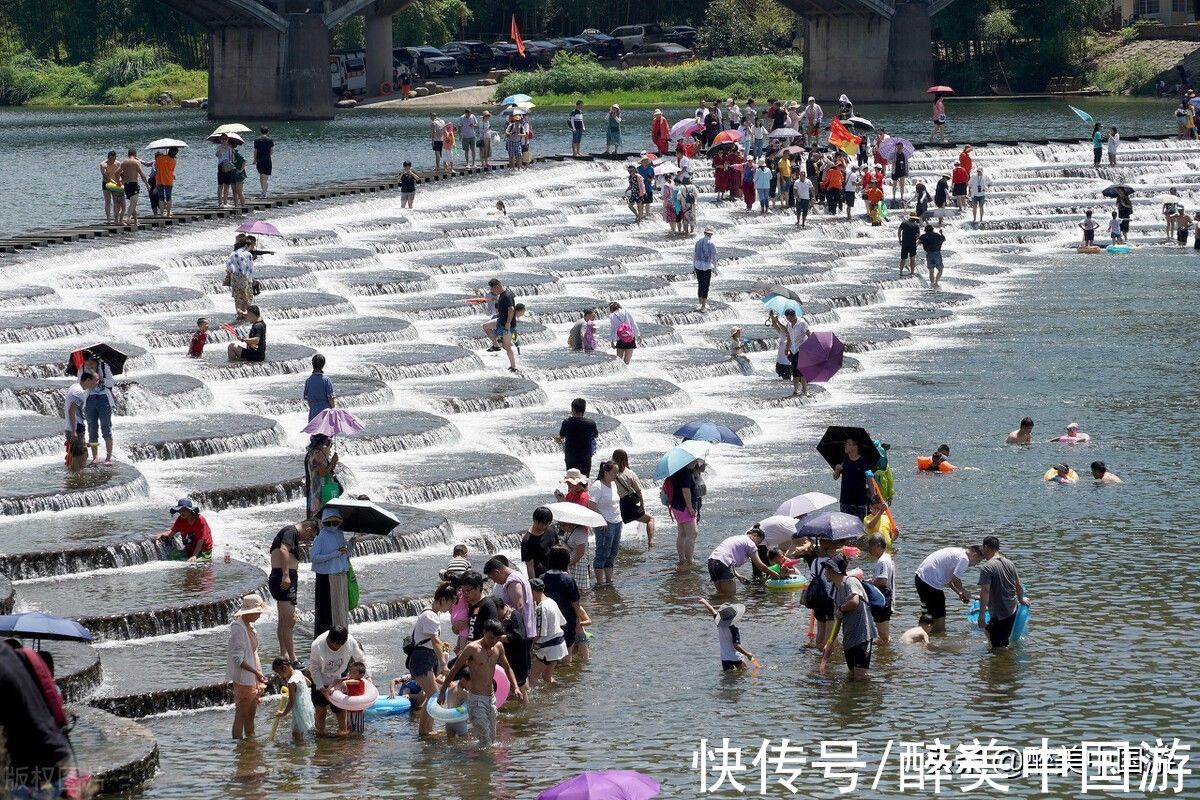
(1063, 474)
(1073, 435)
(1102, 475)
(1023, 434)
(939, 455)
(919, 634)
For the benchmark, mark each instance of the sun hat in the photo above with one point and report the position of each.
(658, 112)
(190, 505)
(331, 514)
(1074, 426)
(731, 612)
(837, 564)
(252, 604)
(575, 476)
(709, 231)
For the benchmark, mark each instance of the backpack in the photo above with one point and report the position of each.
(665, 490)
(815, 595)
(45, 682)
(625, 333)
(875, 596)
(574, 340)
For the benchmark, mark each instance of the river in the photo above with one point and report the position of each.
(1023, 326)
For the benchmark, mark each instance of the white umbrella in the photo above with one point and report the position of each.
(233, 127)
(166, 144)
(575, 514)
(668, 168)
(805, 504)
(233, 137)
(784, 133)
(778, 529)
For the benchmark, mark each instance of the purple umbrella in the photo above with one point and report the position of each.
(820, 357)
(887, 148)
(685, 128)
(605, 785)
(259, 227)
(334, 421)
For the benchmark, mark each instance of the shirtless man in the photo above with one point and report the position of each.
(481, 657)
(131, 173)
(1023, 434)
(282, 582)
(919, 634)
(1101, 474)
(109, 169)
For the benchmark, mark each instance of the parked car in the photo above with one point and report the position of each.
(507, 56)
(541, 51)
(681, 34)
(348, 72)
(603, 45)
(471, 56)
(573, 44)
(423, 62)
(657, 54)
(437, 62)
(633, 36)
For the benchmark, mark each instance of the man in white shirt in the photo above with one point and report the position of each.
(797, 331)
(468, 126)
(74, 418)
(733, 113)
(436, 126)
(850, 190)
(940, 569)
(977, 188)
(802, 191)
(328, 660)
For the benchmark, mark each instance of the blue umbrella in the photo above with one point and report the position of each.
(832, 525)
(513, 99)
(679, 457)
(713, 432)
(780, 304)
(1083, 115)
(36, 625)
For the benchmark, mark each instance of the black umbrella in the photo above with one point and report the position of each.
(861, 123)
(831, 525)
(363, 516)
(104, 352)
(833, 443)
(1117, 189)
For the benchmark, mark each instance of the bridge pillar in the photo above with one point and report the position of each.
(259, 73)
(912, 53)
(378, 30)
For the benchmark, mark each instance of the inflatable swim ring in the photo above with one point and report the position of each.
(358, 702)
(1052, 475)
(925, 464)
(389, 706)
(850, 551)
(1092, 249)
(1081, 438)
(1117, 248)
(113, 186)
(1019, 624)
(443, 714)
(787, 584)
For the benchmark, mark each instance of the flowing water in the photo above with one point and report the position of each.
(1024, 327)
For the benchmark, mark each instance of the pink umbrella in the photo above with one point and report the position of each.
(335, 421)
(685, 128)
(820, 357)
(604, 785)
(259, 227)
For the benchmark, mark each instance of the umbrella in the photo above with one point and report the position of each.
(166, 144)
(105, 352)
(714, 432)
(575, 514)
(233, 137)
(521, 110)
(785, 133)
(514, 99)
(780, 304)
(778, 529)
(832, 444)
(783, 291)
(232, 127)
(36, 625)
(685, 128)
(832, 525)
(861, 123)
(727, 136)
(820, 357)
(1083, 115)
(793, 150)
(259, 227)
(1195, 102)
(669, 168)
(940, 89)
(805, 503)
(363, 516)
(1116, 189)
(604, 785)
(887, 148)
(334, 421)
(679, 457)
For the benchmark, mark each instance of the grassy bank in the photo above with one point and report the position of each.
(572, 78)
(124, 77)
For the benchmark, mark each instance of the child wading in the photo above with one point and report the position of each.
(728, 636)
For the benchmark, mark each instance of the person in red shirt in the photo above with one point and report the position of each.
(199, 339)
(958, 179)
(192, 528)
(660, 132)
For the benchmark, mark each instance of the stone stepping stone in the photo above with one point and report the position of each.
(942, 298)
(524, 217)
(176, 330)
(408, 241)
(626, 254)
(524, 244)
(25, 435)
(522, 284)
(865, 340)
(241, 480)
(81, 540)
(150, 300)
(843, 295)
(442, 476)
(487, 393)
(682, 311)
(144, 395)
(563, 308)
(467, 228)
(471, 334)
(118, 754)
(392, 429)
(359, 329)
(18, 296)
(911, 317)
(633, 395)
(623, 287)
(448, 261)
(382, 223)
(113, 275)
(283, 358)
(691, 364)
(271, 278)
(555, 364)
(285, 395)
(534, 432)
(308, 237)
(417, 360)
(434, 306)
(49, 323)
(333, 257)
(50, 362)
(743, 426)
(376, 282)
(573, 266)
(47, 486)
(199, 435)
(302, 305)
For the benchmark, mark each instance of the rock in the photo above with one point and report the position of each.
(486, 82)
(422, 91)
(165, 99)
(346, 104)
(430, 84)
(499, 74)
(195, 102)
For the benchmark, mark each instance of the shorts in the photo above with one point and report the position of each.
(859, 656)
(468, 144)
(859, 511)
(458, 728)
(1089, 236)
(794, 362)
(576, 137)
(224, 178)
(263, 167)
(1000, 631)
(881, 614)
(932, 600)
(1182, 235)
(319, 699)
(960, 190)
(164, 193)
(802, 205)
(423, 661)
(625, 345)
(933, 259)
(729, 666)
(783, 370)
(848, 199)
(682, 516)
(908, 251)
(719, 571)
(132, 188)
(278, 593)
(977, 200)
(485, 148)
(437, 147)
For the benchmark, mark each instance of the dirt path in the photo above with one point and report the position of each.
(470, 96)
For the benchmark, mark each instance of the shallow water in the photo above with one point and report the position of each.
(1043, 332)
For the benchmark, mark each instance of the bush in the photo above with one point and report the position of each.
(174, 79)
(1124, 77)
(124, 65)
(26, 79)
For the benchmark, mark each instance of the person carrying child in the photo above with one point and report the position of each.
(481, 657)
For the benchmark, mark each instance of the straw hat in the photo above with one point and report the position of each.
(575, 476)
(658, 112)
(709, 231)
(252, 604)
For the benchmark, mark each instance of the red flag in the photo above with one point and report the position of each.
(515, 35)
(843, 139)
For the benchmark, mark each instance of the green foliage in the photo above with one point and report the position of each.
(173, 79)
(350, 33)
(430, 21)
(1126, 75)
(998, 25)
(581, 75)
(26, 79)
(746, 27)
(125, 65)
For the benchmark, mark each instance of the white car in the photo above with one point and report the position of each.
(634, 36)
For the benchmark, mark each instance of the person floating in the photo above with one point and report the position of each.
(1061, 473)
(1072, 436)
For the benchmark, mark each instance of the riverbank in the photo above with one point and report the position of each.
(126, 77)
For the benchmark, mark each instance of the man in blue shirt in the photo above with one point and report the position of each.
(704, 262)
(318, 389)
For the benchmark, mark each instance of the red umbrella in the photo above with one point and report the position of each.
(727, 136)
(939, 90)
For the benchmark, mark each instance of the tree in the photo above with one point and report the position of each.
(746, 27)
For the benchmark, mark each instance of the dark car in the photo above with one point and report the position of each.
(657, 54)
(681, 34)
(603, 45)
(471, 56)
(541, 51)
(572, 44)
